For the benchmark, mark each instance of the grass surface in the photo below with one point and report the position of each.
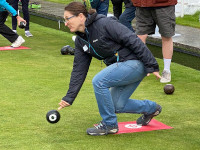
(33, 82)
(189, 20)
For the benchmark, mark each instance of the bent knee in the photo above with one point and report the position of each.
(96, 82)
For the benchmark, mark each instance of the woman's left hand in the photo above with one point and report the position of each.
(20, 19)
(156, 74)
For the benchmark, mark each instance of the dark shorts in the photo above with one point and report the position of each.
(148, 18)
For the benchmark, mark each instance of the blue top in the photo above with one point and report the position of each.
(5, 6)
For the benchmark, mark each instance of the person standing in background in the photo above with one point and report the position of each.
(160, 13)
(5, 31)
(101, 6)
(128, 15)
(25, 15)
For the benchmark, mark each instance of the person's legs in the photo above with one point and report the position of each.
(123, 78)
(165, 18)
(100, 6)
(26, 17)
(122, 103)
(167, 50)
(5, 30)
(14, 20)
(120, 97)
(143, 38)
(167, 47)
(145, 23)
(117, 7)
(103, 7)
(127, 16)
(25, 12)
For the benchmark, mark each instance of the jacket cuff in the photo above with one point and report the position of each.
(68, 99)
(152, 69)
(15, 15)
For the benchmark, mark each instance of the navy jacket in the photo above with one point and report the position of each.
(103, 38)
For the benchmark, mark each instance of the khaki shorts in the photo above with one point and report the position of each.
(148, 18)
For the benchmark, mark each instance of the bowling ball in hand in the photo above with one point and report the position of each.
(22, 25)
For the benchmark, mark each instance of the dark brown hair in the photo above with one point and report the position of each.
(75, 8)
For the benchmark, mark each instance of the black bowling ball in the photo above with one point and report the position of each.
(67, 50)
(22, 25)
(53, 116)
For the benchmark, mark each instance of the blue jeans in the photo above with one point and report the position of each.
(100, 6)
(113, 87)
(127, 16)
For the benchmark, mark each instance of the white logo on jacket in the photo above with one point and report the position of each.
(85, 48)
(95, 40)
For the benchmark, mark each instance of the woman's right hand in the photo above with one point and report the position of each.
(156, 74)
(63, 104)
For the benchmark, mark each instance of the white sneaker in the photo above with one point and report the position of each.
(28, 34)
(74, 38)
(166, 76)
(18, 42)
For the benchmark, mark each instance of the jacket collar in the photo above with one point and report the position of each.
(89, 20)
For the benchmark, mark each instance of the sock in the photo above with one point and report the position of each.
(167, 63)
(26, 31)
(15, 31)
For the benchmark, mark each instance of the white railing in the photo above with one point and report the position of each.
(187, 7)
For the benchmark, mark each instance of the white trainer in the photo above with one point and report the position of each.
(28, 34)
(166, 76)
(18, 42)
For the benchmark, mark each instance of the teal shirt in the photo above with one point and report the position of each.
(4, 6)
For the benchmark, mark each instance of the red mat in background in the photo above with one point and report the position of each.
(5, 48)
(129, 127)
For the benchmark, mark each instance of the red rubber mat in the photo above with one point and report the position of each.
(5, 48)
(129, 127)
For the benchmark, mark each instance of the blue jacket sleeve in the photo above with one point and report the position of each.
(4, 5)
(124, 36)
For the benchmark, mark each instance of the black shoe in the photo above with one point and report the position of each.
(102, 129)
(145, 119)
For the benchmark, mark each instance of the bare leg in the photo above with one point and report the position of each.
(167, 47)
(143, 38)
(167, 50)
